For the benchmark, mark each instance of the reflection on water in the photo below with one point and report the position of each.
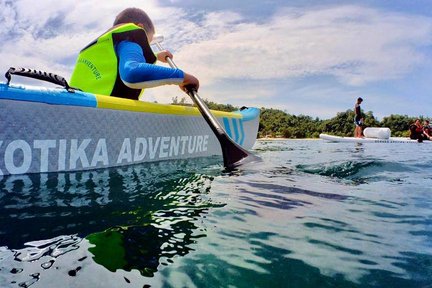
(131, 218)
(141, 247)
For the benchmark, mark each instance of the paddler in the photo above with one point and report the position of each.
(121, 62)
(358, 119)
(416, 131)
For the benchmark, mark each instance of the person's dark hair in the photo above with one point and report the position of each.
(137, 16)
(359, 99)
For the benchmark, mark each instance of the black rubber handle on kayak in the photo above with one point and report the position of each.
(37, 74)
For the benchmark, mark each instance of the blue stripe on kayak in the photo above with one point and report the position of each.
(242, 133)
(250, 113)
(227, 126)
(47, 95)
(236, 131)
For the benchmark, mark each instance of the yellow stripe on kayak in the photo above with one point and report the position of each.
(116, 103)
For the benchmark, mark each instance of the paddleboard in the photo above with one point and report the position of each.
(332, 138)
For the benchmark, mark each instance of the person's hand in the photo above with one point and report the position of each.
(189, 83)
(163, 55)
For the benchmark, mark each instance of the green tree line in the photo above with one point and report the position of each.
(277, 123)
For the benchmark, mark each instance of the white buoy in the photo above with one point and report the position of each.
(377, 132)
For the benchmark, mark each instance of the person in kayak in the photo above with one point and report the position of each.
(121, 62)
(358, 119)
(427, 130)
(416, 131)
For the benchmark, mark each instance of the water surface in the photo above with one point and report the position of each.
(311, 214)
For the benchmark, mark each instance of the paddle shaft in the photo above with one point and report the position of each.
(195, 97)
(232, 153)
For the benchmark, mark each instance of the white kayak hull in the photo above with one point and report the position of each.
(52, 130)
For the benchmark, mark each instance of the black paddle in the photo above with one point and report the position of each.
(233, 154)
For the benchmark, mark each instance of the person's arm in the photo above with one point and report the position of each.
(426, 132)
(137, 74)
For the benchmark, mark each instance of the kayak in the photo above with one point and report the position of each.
(55, 129)
(332, 138)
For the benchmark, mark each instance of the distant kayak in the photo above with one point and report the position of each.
(52, 130)
(332, 138)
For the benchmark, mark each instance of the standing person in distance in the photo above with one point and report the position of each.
(358, 119)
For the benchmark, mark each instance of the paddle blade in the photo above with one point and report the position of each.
(233, 154)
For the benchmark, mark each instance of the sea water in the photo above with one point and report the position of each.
(310, 214)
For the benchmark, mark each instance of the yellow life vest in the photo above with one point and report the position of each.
(96, 69)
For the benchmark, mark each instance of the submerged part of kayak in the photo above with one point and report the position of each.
(50, 130)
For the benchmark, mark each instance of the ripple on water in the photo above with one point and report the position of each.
(360, 171)
(290, 220)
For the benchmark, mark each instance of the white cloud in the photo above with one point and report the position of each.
(354, 44)
(68, 25)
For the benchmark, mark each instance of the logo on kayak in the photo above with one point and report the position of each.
(20, 156)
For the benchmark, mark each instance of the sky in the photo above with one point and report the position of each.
(309, 57)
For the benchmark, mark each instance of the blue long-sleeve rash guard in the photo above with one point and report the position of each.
(136, 73)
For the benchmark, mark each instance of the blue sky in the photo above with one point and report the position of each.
(312, 57)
